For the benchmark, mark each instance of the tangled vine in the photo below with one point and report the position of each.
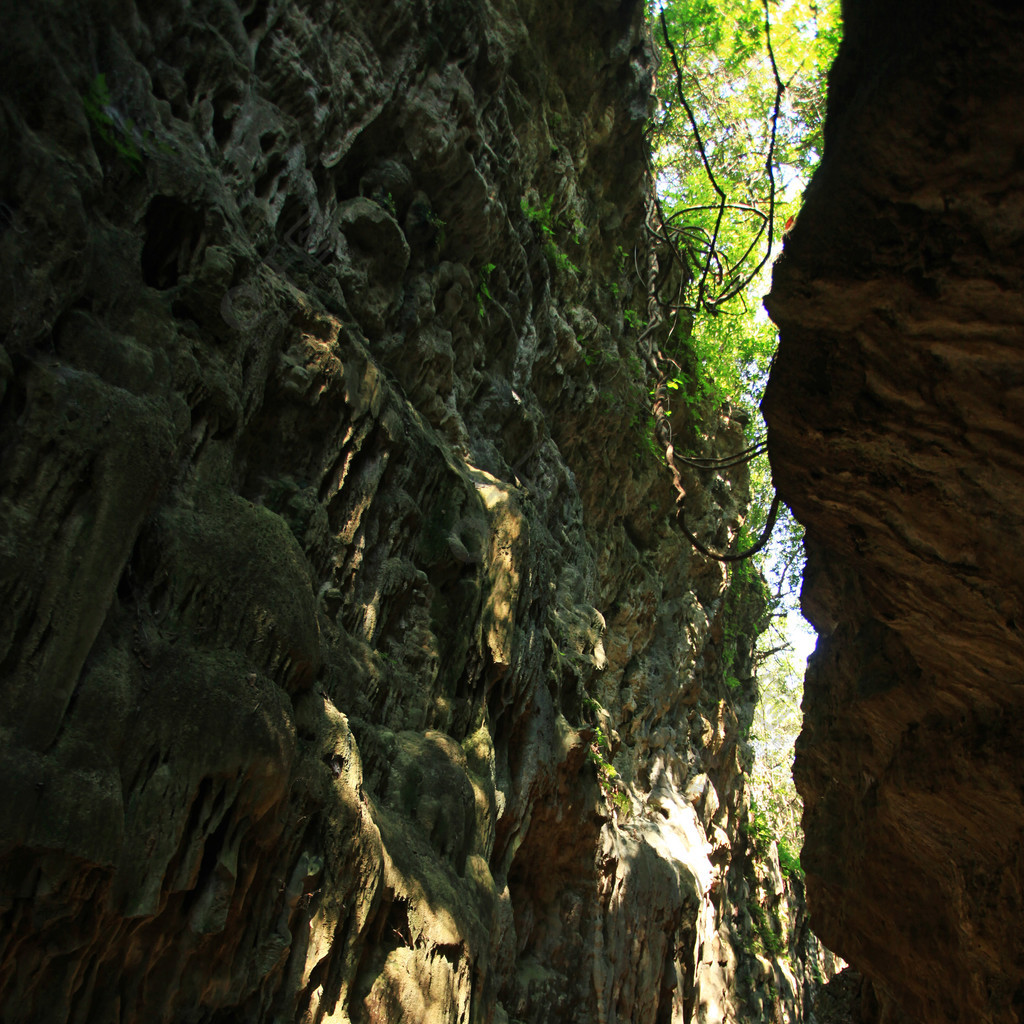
(689, 246)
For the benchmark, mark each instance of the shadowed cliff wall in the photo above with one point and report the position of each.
(337, 575)
(896, 417)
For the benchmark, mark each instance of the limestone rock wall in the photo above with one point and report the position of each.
(350, 669)
(896, 432)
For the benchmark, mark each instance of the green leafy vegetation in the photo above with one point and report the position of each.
(767, 941)
(598, 755)
(386, 201)
(543, 218)
(776, 806)
(439, 226)
(483, 290)
(738, 131)
(129, 141)
(741, 92)
(110, 125)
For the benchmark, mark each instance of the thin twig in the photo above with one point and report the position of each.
(703, 155)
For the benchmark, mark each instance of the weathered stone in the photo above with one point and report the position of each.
(337, 574)
(895, 434)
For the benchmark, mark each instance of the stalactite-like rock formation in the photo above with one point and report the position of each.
(337, 576)
(896, 416)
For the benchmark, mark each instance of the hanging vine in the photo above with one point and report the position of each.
(701, 237)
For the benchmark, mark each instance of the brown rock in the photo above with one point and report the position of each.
(896, 437)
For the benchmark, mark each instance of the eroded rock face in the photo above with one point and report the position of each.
(334, 563)
(896, 430)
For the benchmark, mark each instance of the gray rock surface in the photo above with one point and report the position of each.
(337, 576)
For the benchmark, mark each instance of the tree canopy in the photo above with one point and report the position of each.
(741, 92)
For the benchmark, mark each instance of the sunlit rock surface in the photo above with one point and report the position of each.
(896, 415)
(332, 554)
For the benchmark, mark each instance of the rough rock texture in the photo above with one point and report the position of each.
(896, 414)
(845, 999)
(337, 576)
